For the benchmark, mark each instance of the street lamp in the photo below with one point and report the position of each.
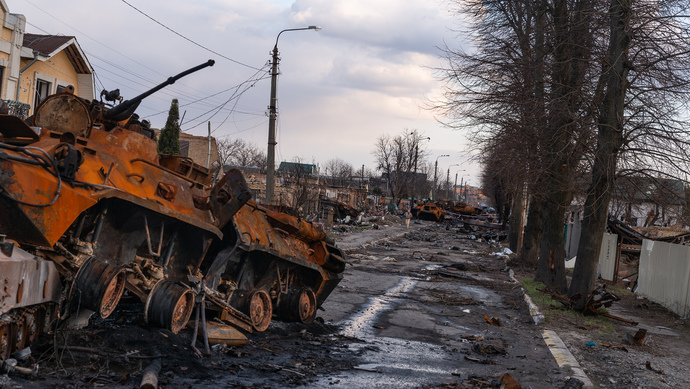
(448, 180)
(464, 188)
(456, 183)
(435, 174)
(271, 155)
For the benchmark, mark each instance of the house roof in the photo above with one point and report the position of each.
(639, 189)
(50, 45)
(291, 166)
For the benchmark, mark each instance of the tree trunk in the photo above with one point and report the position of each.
(515, 220)
(551, 266)
(609, 141)
(572, 48)
(499, 199)
(533, 231)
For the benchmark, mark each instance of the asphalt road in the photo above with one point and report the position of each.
(415, 321)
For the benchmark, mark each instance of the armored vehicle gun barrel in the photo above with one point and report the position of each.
(127, 108)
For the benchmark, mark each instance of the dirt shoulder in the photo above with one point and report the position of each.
(604, 348)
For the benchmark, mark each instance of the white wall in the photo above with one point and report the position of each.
(664, 275)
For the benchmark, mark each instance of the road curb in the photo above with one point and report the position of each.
(564, 358)
(537, 316)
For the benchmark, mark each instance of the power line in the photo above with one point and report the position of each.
(240, 131)
(100, 43)
(218, 108)
(187, 39)
(204, 98)
(81, 33)
(47, 33)
(235, 95)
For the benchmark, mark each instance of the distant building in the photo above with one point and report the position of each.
(471, 195)
(643, 201)
(197, 148)
(290, 168)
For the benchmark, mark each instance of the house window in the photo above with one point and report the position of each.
(42, 91)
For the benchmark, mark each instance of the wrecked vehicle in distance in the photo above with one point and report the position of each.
(428, 211)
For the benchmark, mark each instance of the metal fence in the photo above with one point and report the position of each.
(664, 275)
(608, 256)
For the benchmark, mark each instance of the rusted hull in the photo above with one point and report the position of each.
(429, 215)
(160, 225)
(283, 255)
(464, 209)
(29, 292)
(130, 177)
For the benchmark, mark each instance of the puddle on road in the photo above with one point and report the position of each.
(488, 298)
(361, 325)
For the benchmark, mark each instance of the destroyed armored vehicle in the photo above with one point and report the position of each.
(89, 209)
(465, 209)
(428, 211)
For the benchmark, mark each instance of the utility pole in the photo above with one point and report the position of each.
(362, 176)
(455, 186)
(208, 158)
(448, 181)
(271, 153)
(448, 184)
(433, 191)
(414, 178)
(435, 187)
(416, 156)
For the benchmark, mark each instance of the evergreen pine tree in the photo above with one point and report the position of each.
(169, 142)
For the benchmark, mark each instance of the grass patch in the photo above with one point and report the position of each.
(558, 316)
(602, 323)
(542, 300)
(620, 292)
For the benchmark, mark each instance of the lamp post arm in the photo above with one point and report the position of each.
(316, 28)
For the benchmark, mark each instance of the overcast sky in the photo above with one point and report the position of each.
(365, 74)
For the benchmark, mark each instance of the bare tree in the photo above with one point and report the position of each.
(396, 158)
(648, 54)
(526, 85)
(555, 73)
(238, 152)
(497, 95)
(339, 170)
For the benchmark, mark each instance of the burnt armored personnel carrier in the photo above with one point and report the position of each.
(88, 208)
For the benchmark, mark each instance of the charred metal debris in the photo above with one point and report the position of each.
(477, 223)
(89, 210)
(598, 298)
